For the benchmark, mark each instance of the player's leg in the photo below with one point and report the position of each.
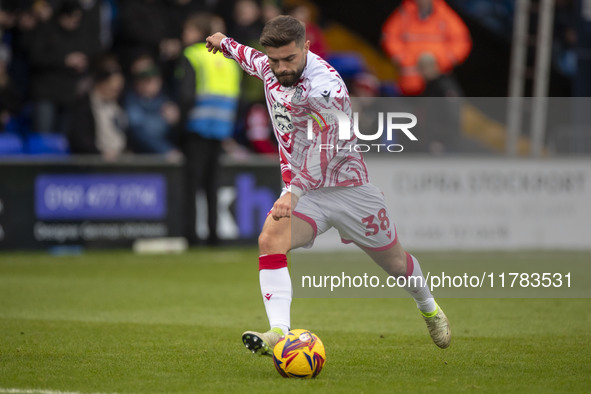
(397, 262)
(276, 239)
(369, 226)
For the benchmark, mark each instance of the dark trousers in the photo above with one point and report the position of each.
(202, 172)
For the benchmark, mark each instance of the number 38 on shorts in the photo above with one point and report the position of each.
(359, 214)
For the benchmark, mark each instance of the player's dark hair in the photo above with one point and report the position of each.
(282, 30)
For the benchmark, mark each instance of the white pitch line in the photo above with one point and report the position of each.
(39, 391)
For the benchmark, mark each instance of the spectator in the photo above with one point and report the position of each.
(270, 9)
(177, 12)
(440, 125)
(247, 23)
(314, 33)
(42, 9)
(565, 37)
(142, 27)
(365, 84)
(424, 26)
(7, 14)
(152, 115)
(259, 132)
(437, 84)
(10, 95)
(209, 87)
(21, 35)
(98, 21)
(98, 123)
(60, 55)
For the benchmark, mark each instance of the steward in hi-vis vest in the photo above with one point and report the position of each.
(208, 89)
(217, 89)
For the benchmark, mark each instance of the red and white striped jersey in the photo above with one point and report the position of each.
(318, 160)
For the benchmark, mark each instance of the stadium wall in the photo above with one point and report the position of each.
(436, 203)
(67, 204)
(484, 204)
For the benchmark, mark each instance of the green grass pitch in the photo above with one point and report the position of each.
(115, 322)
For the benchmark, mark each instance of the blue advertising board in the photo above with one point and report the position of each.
(100, 196)
(84, 202)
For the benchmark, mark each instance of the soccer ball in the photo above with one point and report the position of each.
(299, 354)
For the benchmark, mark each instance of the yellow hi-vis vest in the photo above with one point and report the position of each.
(217, 89)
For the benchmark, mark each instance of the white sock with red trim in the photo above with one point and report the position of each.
(276, 289)
(417, 287)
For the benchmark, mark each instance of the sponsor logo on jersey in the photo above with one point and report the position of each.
(282, 118)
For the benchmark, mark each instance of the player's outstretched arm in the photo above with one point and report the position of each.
(249, 59)
(214, 42)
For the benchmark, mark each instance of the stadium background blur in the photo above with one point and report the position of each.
(40, 83)
(76, 320)
(349, 40)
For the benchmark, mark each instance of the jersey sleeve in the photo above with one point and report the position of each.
(250, 60)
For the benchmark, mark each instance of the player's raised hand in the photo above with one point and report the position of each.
(213, 42)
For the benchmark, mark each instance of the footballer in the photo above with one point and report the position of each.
(323, 188)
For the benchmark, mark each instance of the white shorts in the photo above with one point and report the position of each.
(359, 214)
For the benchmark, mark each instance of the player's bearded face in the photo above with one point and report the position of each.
(290, 78)
(288, 62)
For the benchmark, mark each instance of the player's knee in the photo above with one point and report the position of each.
(270, 244)
(398, 265)
(400, 260)
(263, 240)
(393, 260)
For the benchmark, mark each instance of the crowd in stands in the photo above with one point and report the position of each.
(105, 76)
(497, 15)
(110, 77)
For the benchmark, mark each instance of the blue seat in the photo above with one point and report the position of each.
(11, 144)
(389, 89)
(47, 144)
(348, 64)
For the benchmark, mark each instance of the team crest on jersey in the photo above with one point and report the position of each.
(282, 118)
(297, 96)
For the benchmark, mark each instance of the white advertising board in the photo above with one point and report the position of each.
(484, 203)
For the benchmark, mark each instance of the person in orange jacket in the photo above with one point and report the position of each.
(424, 26)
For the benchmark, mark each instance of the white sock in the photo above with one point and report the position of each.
(277, 292)
(417, 287)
